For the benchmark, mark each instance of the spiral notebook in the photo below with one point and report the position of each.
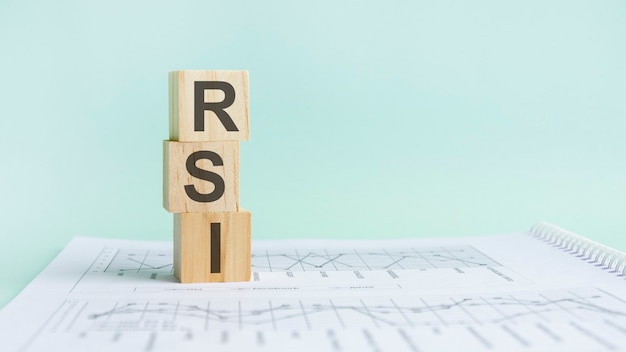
(545, 289)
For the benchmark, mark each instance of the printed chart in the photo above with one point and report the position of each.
(519, 319)
(481, 294)
(370, 259)
(125, 261)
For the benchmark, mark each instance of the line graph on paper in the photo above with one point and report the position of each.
(154, 262)
(186, 320)
(320, 296)
(369, 259)
(370, 312)
(366, 312)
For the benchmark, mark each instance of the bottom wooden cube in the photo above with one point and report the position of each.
(212, 247)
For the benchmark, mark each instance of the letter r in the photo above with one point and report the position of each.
(200, 106)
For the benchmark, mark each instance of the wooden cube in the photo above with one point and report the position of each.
(212, 247)
(208, 106)
(200, 176)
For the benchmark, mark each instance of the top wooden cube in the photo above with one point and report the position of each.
(208, 106)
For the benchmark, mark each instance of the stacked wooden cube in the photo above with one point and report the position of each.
(208, 118)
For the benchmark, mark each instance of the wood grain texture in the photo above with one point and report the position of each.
(192, 246)
(182, 106)
(176, 176)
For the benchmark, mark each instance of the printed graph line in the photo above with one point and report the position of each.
(88, 269)
(221, 319)
(529, 308)
(126, 262)
(468, 310)
(394, 260)
(142, 264)
(378, 259)
(114, 256)
(361, 258)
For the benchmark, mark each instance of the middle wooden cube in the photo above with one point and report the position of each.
(200, 176)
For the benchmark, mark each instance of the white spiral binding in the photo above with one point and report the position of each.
(592, 251)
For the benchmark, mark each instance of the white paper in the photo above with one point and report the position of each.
(509, 292)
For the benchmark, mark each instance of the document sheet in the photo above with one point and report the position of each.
(505, 292)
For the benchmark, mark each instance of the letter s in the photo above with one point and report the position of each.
(212, 177)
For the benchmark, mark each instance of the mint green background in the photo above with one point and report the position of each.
(368, 119)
